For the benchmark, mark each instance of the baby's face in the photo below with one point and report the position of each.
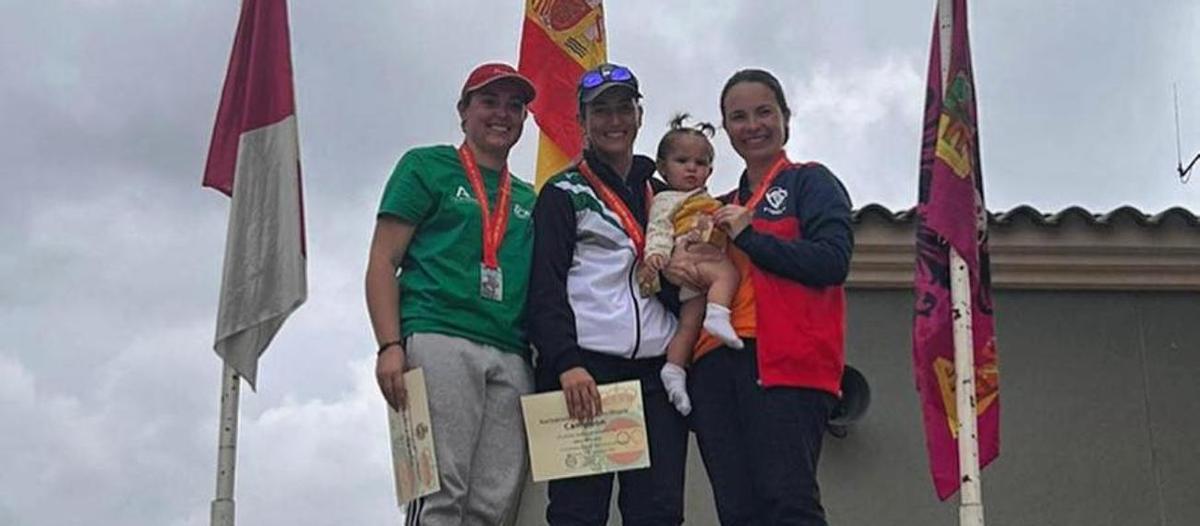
(688, 164)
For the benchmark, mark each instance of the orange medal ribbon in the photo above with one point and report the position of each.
(493, 224)
(614, 202)
(780, 163)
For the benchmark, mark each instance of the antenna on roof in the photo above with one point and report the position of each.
(1184, 173)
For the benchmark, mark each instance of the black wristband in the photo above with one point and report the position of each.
(384, 346)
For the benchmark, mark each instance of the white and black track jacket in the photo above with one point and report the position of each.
(583, 295)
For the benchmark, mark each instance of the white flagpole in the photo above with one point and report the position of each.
(970, 508)
(222, 511)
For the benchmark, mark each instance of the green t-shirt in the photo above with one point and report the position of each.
(439, 284)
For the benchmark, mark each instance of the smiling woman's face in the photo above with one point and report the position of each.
(611, 121)
(754, 121)
(494, 117)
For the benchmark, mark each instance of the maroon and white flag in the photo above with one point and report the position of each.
(255, 159)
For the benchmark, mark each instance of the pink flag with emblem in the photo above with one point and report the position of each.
(951, 214)
(255, 159)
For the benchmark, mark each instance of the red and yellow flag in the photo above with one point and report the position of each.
(561, 39)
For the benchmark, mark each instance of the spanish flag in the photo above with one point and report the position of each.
(561, 39)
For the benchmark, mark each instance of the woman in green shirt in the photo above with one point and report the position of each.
(457, 226)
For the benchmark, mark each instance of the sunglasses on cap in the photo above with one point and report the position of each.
(597, 77)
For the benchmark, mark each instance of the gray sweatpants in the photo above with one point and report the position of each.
(475, 409)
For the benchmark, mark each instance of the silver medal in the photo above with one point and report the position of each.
(491, 283)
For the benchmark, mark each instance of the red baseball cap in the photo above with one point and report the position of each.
(488, 73)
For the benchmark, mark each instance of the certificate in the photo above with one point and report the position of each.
(413, 458)
(562, 447)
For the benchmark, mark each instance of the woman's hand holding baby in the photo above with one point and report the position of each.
(683, 268)
(733, 219)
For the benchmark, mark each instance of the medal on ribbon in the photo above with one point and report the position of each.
(491, 278)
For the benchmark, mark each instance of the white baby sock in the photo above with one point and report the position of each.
(674, 379)
(716, 322)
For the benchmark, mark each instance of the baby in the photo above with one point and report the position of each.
(679, 216)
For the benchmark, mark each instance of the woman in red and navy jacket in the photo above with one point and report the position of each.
(760, 413)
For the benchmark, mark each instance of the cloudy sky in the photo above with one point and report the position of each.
(112, 252)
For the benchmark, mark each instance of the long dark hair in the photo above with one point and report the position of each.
(766, 79)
